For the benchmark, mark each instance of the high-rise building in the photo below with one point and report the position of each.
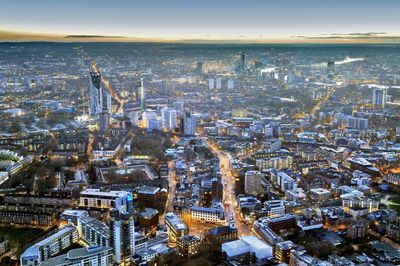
(356, 122)
(151, 121)
(243, 60)
(211, 83)
(379, 97)
(218, 83)
(230, 84)
(122, 231)
(95, 93)
(291, 78)
(189, 124)
(100, 100)
(252, 183)
(168, 118)
(199, 67)
(179, 107)
(141, 93)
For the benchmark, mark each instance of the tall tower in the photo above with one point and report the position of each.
(122, 229)
(243, 60)
(141, 92)
(189, 124)
(95, 93)
(100, 100)
(379, 97)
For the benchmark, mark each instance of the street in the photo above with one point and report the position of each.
(229, 197)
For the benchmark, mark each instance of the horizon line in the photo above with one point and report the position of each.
(356, 38)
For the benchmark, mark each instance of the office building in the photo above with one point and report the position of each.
(176, 228)
(274, 208)
(188, 246)
(282, 251)
(379, 97)
(95, 93)
(252, 182)
(141, 95)
(243, 62)
(100, 100)
(168, 118)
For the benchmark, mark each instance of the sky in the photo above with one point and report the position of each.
(204, 19)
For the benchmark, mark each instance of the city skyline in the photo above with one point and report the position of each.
(223, 21)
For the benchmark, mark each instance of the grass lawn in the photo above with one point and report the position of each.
(395, 199)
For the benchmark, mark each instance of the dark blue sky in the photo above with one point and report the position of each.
(201, 18)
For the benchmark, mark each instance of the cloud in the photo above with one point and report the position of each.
(92, 36)
(357, 34)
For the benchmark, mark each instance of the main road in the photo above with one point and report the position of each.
(171, 190)
(229, 197)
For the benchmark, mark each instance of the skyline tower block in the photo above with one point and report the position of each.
(379, 97)
(141, 92)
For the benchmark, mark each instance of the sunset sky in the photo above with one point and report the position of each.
(295, 20)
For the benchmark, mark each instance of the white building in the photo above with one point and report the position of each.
(93, 232)
(179, 107)
(90, 256)
(37, 253)
(274, 207)
(230, 84)
(168, 118)
(211, 83)
(218, 83)
(95, 198)
(208, 214)
(285, 182)
(320, 194)
(247, 244)
(176, 228)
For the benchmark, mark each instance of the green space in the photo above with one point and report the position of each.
(20, 236)
(395, 199)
